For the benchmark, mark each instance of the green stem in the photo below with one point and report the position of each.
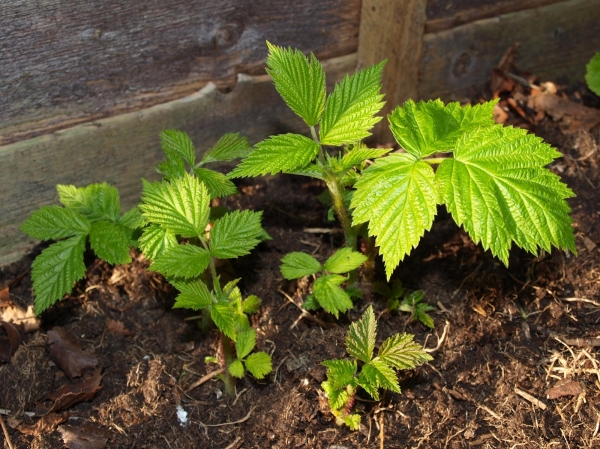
(337, 196)
(229, 355)
(434, 160)
(213, 268)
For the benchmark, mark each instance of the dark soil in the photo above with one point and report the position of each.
(497, 331)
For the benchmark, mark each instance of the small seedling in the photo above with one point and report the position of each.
(344, 376)
(93, 211)
(592, 75)
(398, 300)
(182, 242)
(327, 292)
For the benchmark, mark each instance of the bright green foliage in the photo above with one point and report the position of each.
(178, 145)
(182, 261)
(360, 153)
(397, 196)
(281, 153)
(217, 183)
(299, 80)
(245, 343)
(235, 234)
(92, 211)
(398, 352)
(155, 240)
(592, 74)
(251, 304)
(194, 295)
(224, 317)
(497, 188)
(229, 147)
(350, 109)
(327, 292)
(259, 364)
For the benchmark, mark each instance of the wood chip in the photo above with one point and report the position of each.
(565, 387)
(530, 398)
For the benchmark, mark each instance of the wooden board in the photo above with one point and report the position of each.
(556, 43)
(64, 62)
(392, 30)
(122, 149)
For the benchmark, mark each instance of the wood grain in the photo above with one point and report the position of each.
(64, 62)
(122, 149)
(392, 29)
(556, 43)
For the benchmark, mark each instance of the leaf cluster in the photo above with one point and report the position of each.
(327, 290)
(398, 299)
(93, 211)
(367, 370)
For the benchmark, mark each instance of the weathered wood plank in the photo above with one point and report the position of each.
(122, 149)
(442, 14)
(64, 62)
(556, 42)
(392, 29)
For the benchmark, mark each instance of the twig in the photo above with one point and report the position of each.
(5, 430)
(305, 314)
(440, 340)
(491, 412)
(204, 379)
(522, 81)
(7, 412)
(583, 342)
(530, 398)
(597, 304)
(245, 418)
(238, 396)
(234, 444)
(323, 230)
(381, 433)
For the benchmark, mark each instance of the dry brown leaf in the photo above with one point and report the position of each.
(87, 436)
(5, 300)
(69, 395)
(9, 346)
(17, 315)
(572, 116)
(565, 387)
(46, 424)
(67, 354)
(117, 327)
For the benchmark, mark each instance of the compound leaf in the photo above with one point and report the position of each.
(337, 396)
(251, 304)
(155, 240)
(173, 141)
(95, 201)
(361, 153)
(259, 364)
(224, 317)
(194, 294)
(401, 352)
(592, 74)
(236, 369)
(110, 242)
(497, 188)
(218, 184)
(246, 340)
(299, 80)
(344, 260)
(55, 271)
(181, 205)
(369, 384)
(397, 195)
(133, 219)
(229, 147)
(235, 234)
(350, 109)
(55, 222)
(340, 372)
(281, 153)
(379, 373)
(185, 261)
(330, 295)
(425, 128)
(296, 265)
(360, 341)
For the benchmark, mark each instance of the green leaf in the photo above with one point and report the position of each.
(133, 219)
(224, 317)
(592, 74)
(350, 109)
(173, 167)
(429, 127)
(181, 206)
(54, 223)
(185, 261)
(259, 364)
(414, 305)
(173, 141)
(360, 341)
(245, 343)
(352, 421)
(235, 234)
(281, 153)
(379, 373)
(296, 265)
(401, 352)
(311, 303)
(361, 153)
(397, 195)
(218, 184)
(299, 80)
(344, 260)
(251, 304)
(369, 384)
(55, 271)
(330, 296)
(110, 242)
(340, 372)
(311, 171)
(95, 201)
(155, 240)
(497, 188)
(229, 147)
(337, 396)
(236, 369)
(194, 294)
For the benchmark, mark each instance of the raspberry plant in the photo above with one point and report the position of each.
(592, 74)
